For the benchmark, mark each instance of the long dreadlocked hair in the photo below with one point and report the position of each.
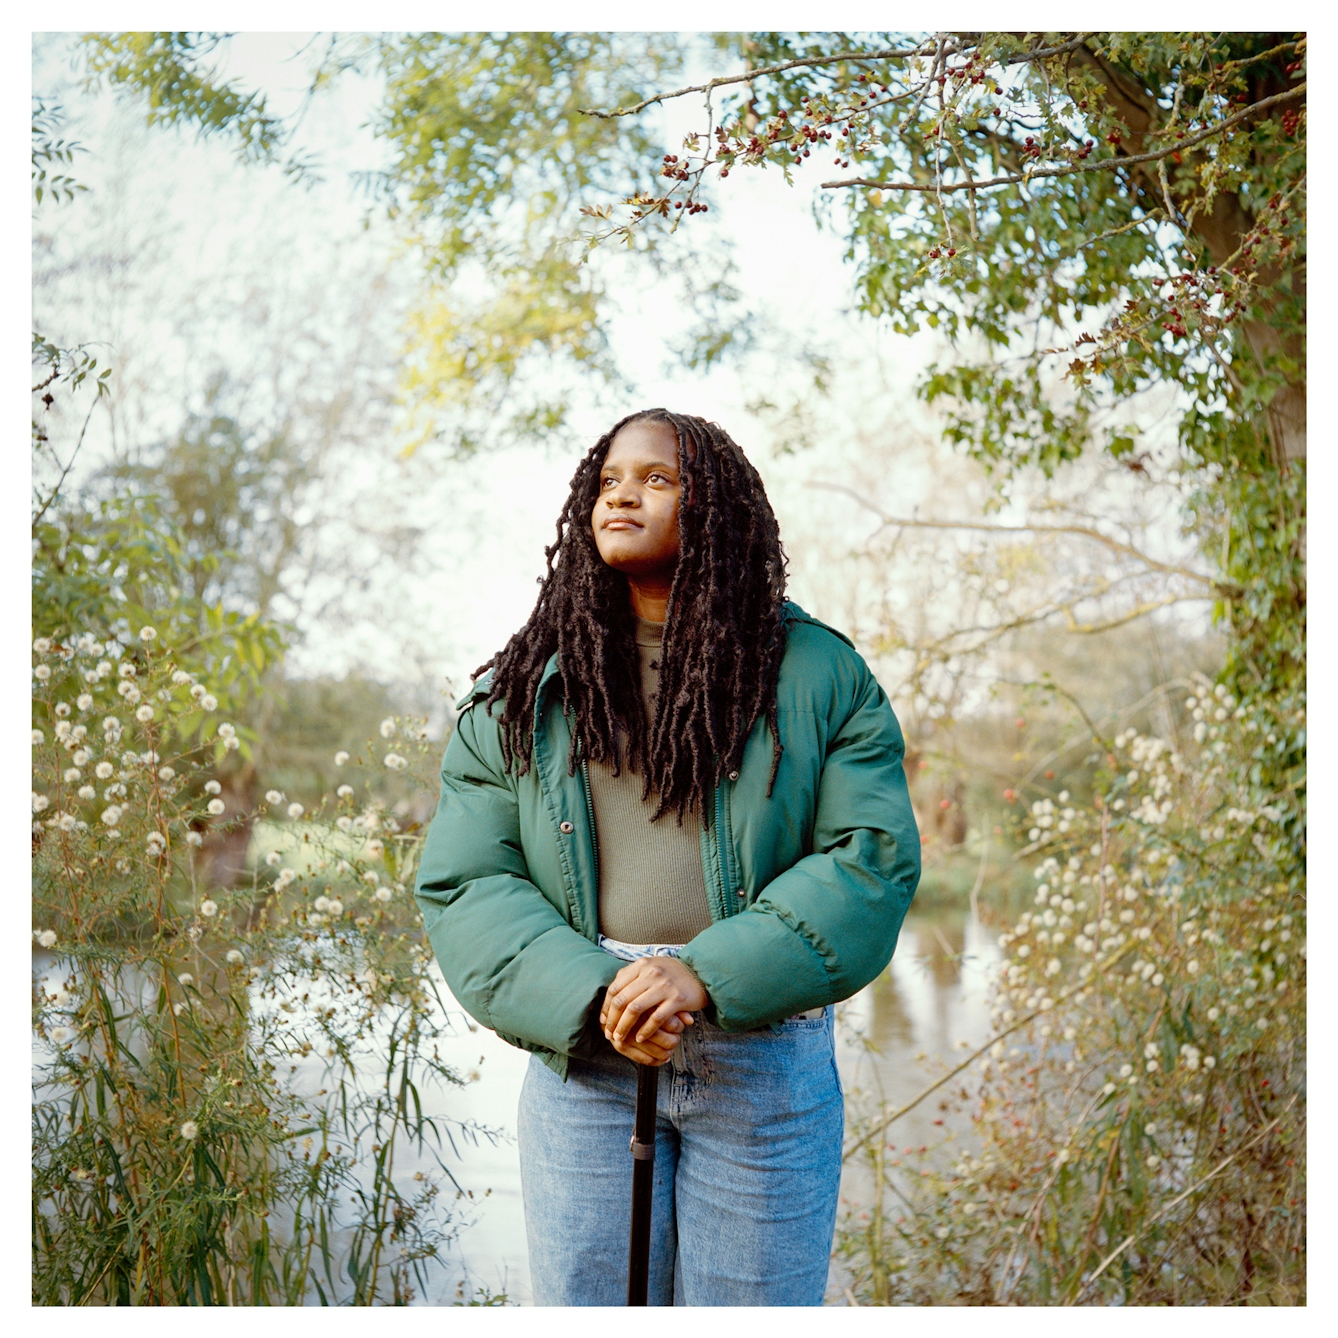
(723, 638)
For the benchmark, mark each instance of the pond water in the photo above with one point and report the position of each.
(914, 1015)
(893, 1039)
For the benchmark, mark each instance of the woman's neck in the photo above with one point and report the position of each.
(650, 599)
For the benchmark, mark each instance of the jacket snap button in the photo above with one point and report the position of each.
(566, 827)
(734, 775)
(740, 893)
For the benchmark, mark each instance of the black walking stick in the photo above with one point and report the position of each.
(643, 1183)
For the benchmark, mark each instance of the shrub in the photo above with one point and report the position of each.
(1138, 1120)
(222, 1079)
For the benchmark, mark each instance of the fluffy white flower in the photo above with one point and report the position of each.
(111, 725)
(208, 909)
(185, 978)
(144, 714)
(388, 727)
(62, 710)
(156, 843)
(215, 806)
(371, 876)
(273, 859)
(165, 773)
(1052, 967)
(345, 792)
(285, 877)
(47, 938)
(111, 815)
(273, 797)
(80, 757)
(212, 787)
(383, 894)
(395, 762)
(180, 677)
(321, 904)
(190, 1130)
(38, 738)
(198, 691)
(335, 907)
(234, 956)
(344, 823)
(63, 730)
(209, 702)
(61, 1035)
(295, 811)
(71, 774)
(42, 645)
(194, 839)
(42, 673)
(231, 741)
(375, 848)
(340, 758)
(40, 801)
(227, 730)
(84, 701)
(87, 792)
(148, 633)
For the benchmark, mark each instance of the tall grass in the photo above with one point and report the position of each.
(223, 1079)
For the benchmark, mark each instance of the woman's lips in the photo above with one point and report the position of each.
(622, 523)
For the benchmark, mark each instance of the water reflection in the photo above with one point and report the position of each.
(892, 1038)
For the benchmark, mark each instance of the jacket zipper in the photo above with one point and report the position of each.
(590, 817)
(721, 856)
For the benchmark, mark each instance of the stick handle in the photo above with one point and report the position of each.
(643, 1183)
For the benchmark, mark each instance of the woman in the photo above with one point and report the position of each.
(673, 829)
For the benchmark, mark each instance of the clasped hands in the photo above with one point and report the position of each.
(647, 1006)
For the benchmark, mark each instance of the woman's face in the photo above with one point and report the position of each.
(635, 517)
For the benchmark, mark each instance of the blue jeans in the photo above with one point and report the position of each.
(747, 1168)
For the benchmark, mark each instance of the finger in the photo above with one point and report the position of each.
(634, 1008)
(656, 1018)
(642, 1054)
(687, 1019)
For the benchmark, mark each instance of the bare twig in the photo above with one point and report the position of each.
(889, 1120)
(64, 473)
(1085, 531)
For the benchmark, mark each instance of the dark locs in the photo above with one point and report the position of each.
(723, 639)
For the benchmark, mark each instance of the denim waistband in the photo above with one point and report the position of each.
(633, 952)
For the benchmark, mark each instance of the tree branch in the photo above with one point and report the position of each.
(1085, 531)
(812, 62)
(1070, 169)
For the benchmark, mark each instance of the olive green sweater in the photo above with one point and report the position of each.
(652, 888)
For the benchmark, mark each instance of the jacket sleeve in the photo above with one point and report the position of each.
(508, 954)
(824, 928)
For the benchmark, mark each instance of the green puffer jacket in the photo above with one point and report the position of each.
(808, 888)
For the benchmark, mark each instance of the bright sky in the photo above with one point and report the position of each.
(200, 253)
